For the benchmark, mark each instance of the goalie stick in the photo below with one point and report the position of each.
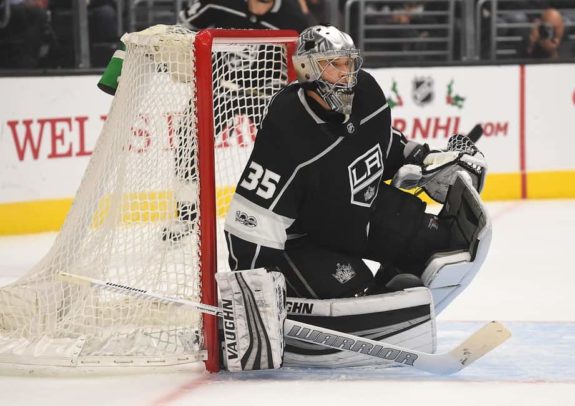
(475, 133)
(474, 347)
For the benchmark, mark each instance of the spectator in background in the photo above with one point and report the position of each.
(319, 10)
(101, 17)
(398, 26)
(26, 39)
(262, 14)
(545, 36)
(102, 20)
(102, 25)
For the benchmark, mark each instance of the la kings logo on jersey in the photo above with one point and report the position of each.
(364, 176)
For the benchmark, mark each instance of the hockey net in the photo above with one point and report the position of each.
(149, 211)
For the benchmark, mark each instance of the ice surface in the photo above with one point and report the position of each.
(527, 282)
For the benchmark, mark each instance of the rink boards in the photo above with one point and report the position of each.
(50, 125)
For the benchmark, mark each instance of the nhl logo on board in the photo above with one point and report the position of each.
(343, 273)
(423, 90)
(350, 128)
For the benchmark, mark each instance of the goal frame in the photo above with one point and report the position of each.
(203, 44)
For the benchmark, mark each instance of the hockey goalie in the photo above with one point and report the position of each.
(322, 192)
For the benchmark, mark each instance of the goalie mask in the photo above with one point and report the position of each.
(324, 48)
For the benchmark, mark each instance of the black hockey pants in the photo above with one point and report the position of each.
(401, 237)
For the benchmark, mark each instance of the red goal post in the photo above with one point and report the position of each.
(203, 48)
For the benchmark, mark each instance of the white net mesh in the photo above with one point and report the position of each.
(135, 220)
(248, 75)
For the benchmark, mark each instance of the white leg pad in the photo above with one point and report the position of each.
(403, 318)
(448, 274)
(253, 304)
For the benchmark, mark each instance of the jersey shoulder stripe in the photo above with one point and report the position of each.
(302, 165)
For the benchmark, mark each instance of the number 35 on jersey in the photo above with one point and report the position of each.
(262, 180)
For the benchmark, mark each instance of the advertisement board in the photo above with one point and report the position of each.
(49, 127)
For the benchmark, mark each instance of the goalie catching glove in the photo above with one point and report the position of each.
(435, 171)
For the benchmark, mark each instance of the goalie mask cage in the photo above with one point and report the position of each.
(149, 211)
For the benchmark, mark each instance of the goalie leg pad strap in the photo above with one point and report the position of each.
(448, 274)
(254, 311)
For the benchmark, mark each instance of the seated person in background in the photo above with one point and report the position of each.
(25, 40)
(101, 18)
(102, 26)
(545, 36)
(402, 21)
(250, 14)
(318, 9)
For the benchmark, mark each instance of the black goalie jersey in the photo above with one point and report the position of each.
(312, 173)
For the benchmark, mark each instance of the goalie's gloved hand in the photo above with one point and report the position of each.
(436, 160)
(440, 170)
(415, 153)
(407, 177)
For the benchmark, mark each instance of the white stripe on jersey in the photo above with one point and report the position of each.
(302, 165)
(303, 101)
(256, 255)
(266, 24)
(398, 133)
(391, 137)
(297, 272)
(231, 250)
(210, 6)
(375, 113)
(255, 224)
(277, 5)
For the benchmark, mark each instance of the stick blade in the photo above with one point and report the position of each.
(480, 343)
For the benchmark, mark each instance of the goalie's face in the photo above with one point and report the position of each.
(340, 71)
(337, 80)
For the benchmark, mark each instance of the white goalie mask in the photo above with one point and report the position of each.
(321, 48)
